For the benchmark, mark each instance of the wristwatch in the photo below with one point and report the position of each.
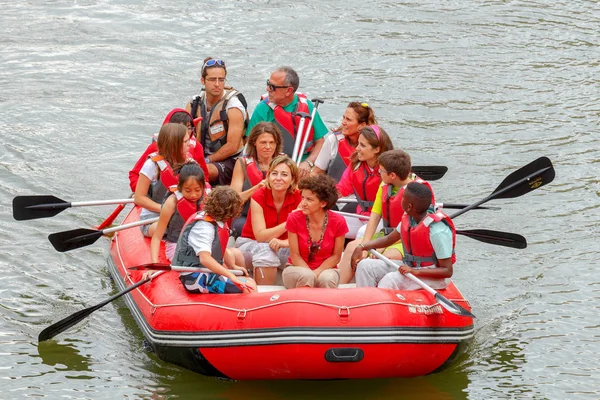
(310, 164)
(206, 160)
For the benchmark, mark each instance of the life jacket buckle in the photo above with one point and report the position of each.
(242, 314)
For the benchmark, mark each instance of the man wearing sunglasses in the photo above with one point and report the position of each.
(281, 105)
(224, 119)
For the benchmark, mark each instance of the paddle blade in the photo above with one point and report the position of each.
(453, 307)
(505, 239)
(430, 173)
(530, 177)
(73, 319)
(65, 323)
(155, 266)
(73, 239)
(33, 207)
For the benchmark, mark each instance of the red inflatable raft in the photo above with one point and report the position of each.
(344, 333)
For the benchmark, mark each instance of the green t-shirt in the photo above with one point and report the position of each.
(263, 112)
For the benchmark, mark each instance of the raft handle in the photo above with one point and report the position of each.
(344, 354)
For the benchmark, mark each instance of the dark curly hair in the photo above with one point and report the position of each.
(223, 203)
(323, 186)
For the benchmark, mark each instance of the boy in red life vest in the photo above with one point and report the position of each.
(203, 243)
(428, 237)
(395, 169)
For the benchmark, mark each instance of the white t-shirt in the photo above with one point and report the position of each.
(202, 235)
(150, 171)
(328, 151)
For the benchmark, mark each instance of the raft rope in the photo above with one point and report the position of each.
(426, 309)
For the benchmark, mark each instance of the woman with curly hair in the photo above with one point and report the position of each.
(316, 236)
(203, 243)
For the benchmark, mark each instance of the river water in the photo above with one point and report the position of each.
(483, 87)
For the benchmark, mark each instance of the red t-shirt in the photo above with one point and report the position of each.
(336, 227)
(264, 197)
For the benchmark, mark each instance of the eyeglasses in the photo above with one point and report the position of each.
(212, 62)
(215, 80)
(272, 87)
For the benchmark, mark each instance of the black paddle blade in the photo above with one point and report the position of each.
(453, 307)
(155, 266)
(505, 239)
(73, 319)
(430, 173)
(533, 175)
(74, 239)
(33, 207)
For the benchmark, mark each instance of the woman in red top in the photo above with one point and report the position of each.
(316, 237)
(264, 240)
(362, 176)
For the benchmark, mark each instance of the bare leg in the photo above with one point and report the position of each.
(265, 275)
(346, 273)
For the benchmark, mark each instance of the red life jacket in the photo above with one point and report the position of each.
(253, 173)
(418, 250)
(185, 209)
(365, 184)
(196, 151)
(288, 123)
(272, 218)
(168, 178)
(391, 205)
(338, 164)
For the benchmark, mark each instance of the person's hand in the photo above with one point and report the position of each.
(246, 288)
(239, 268)
(275, 244)
(356, 257)
(405, 269)
(148, 274)
(303, 170)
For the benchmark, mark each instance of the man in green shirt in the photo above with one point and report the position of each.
(281, 106)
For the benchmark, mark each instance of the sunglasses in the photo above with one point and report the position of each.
(273, 87)
(313, 250)
(212, 62)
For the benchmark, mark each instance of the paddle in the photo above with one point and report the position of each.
(438, 205)
(483, 235)
(169, 267)
(78, 316)
(76, 238)
(530, 177)
(303, 116)
(111, 218)
(316, 103)
(430, 173)
(32, 207)
(444, 302)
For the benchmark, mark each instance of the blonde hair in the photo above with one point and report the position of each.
(284, 159)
